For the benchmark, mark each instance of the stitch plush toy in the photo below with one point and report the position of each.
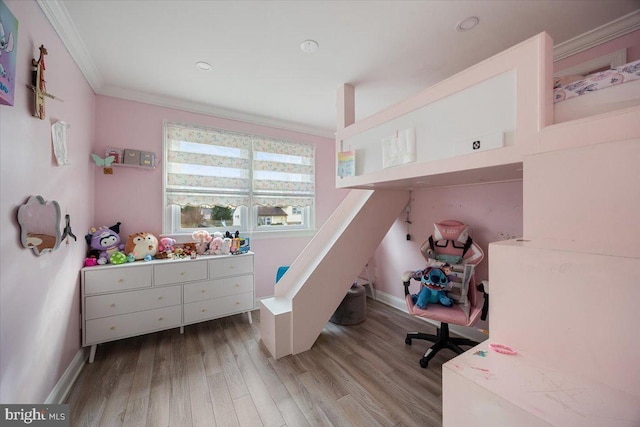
(434, 283)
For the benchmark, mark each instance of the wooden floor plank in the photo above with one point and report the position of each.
(246, 411)
(223, 409)
(136, 413)
(220, 373)
(180, 400)
(200, 398)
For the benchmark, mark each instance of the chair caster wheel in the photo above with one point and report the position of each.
(423, 362)
(407, 341)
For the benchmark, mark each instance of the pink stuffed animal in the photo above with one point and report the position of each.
(202, 238)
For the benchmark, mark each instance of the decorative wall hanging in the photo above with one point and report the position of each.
(8, 54)
(104, 163)
(59, 141)
(39, 84)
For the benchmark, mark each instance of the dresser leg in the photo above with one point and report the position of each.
(249, 316)
(182, 329)
(92, 353)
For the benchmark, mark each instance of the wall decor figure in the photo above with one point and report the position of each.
(39, 84)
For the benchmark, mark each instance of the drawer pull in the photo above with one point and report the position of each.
(203, 291)
(231, 267)
(120, 280)
(112, 328)
(203, 310)
(237, 302)
(160, 318)
(237, 285)
(182, 273)
(161, 297)
(112, 305)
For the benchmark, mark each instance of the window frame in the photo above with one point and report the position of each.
(171, 225)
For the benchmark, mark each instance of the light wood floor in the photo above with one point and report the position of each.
(219, 374)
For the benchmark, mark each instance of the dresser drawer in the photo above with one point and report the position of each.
(219, 307)
(218, 288)
(180, 272)
(128, 325)
(117, 279)
(129, 302)
(231, 266)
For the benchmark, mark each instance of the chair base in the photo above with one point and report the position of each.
(441, 340)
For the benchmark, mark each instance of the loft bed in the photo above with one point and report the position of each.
(505, 104)
(577, 96)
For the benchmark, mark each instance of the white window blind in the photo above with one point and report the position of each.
(206, 167)
(283, 173)
(209, 167)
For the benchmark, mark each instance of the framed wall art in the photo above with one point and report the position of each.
(8, 54)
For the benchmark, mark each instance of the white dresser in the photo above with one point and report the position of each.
(120, 301)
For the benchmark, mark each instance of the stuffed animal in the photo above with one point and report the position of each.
(202, 238)
(190, 248)
(434, 283)
(225, 249)
(141, 245)
(106, 240)
(166, 244)
(215, 247)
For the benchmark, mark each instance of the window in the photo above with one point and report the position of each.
(228, 181)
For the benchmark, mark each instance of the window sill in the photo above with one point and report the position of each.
(255, 235)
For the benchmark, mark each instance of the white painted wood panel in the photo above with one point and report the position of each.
(179, 272)
(128, 302)
(217, 288)
(116, 279)
(219, 307)
(132, 324)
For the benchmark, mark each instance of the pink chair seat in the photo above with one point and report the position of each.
(454, 314)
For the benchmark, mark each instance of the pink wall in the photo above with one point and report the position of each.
(630, 41)
(494, 212)
(134, 196)
(40, 296)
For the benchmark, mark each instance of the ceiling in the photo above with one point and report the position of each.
(147, 50)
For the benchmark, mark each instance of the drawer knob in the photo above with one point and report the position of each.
(112, 305)
(112, 328)
(203, 291)
(204, 309)
(237, 302)
(161, 318)
(120, 280)
(160, 297)
(231, 267)
(182, 273)
(237, 285)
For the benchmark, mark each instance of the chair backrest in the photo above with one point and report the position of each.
(451, 242)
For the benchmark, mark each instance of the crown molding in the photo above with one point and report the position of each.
(62, 23)
(602, 34)
(198, 108)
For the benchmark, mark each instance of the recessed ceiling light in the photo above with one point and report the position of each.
(309, 46)
(467, 24)
(204, 66)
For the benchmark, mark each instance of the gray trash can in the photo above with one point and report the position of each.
(353, 308)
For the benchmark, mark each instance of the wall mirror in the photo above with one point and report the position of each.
(39, 225)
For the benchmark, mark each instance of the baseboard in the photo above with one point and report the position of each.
(63, 387)
(400, 304)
